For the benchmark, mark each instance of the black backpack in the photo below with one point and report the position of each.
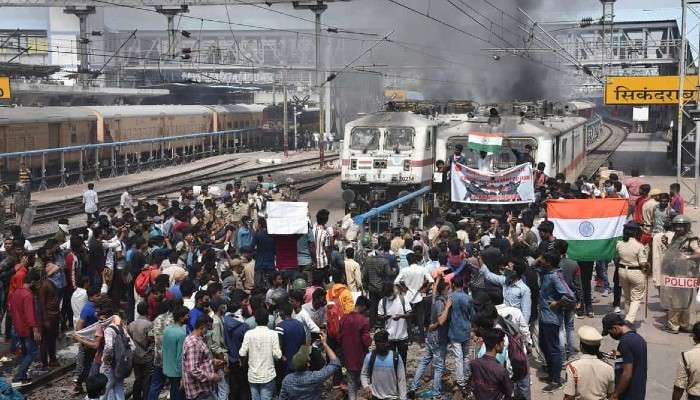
(122, 355)
(516, 348)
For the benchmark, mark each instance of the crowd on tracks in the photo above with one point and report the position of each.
(193, 297)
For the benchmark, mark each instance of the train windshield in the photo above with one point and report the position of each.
(399, 139)
(364, 139)
(504, 159)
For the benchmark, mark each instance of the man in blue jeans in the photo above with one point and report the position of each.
(553, 295)
(460, 312)
(21, 308)
(436, 345)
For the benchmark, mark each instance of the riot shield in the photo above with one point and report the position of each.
(679, 276)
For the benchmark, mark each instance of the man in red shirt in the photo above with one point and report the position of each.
(355, 341)
(633, 183)
(21, 308)
(644, 190)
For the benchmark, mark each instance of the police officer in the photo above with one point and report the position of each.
(633, 265)
(688, 377)
(680, 261)
(589, 378)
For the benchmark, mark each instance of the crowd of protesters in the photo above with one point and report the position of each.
(193, 296)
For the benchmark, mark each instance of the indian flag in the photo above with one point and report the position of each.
(591, 226)
(487, 142)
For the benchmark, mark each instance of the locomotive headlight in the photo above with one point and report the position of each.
(353, 163)
(406, 165)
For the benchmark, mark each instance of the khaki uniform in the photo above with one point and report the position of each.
(688, 377)
(249, 275)
(679, 301)
(657, 255)
(589, 378)
(224, 214)
(632, 279)
(648, 213)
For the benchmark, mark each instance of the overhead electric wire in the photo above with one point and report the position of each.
(348, 65)
(441, 22)
(218, 21)
(469, 34)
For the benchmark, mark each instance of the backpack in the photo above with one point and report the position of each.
(516, 349)
(333, 315)
(567, 301)
(122, 355)
(372, 360)
(145, 279)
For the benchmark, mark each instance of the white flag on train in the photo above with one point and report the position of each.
(514, 185)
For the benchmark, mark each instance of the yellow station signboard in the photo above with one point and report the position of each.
(649, 90)
(5, 88)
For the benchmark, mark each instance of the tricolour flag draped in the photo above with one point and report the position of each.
(487, 142)
(591, 226)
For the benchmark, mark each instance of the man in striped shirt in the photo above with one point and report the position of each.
(322, 240)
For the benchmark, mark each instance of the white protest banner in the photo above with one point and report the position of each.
(514, 185)
(287, 218)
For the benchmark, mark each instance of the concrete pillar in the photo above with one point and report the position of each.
(170, 12)
(83, 52)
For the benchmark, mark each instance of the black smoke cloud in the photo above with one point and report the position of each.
(473, 73)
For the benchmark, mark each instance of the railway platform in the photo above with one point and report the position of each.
(52, 203)
(647, 152)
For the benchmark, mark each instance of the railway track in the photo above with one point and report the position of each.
(601, 154)
(173, 184)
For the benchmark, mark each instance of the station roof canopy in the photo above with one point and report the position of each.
(151, 3)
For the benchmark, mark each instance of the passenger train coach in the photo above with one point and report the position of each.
(387, 154)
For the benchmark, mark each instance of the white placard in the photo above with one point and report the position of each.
(640, 114)
(287, 218)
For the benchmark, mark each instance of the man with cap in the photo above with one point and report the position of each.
(303, 384)
(633, 264)
(680, 261)
(688, 376)
(589, 378)
(630, 359)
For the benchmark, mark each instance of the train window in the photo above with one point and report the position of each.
(429, 139)
(399, 139)
(364, 139)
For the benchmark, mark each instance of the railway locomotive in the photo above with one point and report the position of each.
(388, 154)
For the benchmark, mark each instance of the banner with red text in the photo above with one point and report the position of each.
(510, 186)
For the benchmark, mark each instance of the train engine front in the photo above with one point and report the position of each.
(385, 155)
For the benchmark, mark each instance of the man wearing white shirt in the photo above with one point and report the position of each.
(302, 315)
(126, 201)
(395, 310)
(91, 201)
(416, 278)
(260, 349)
(484, 162)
